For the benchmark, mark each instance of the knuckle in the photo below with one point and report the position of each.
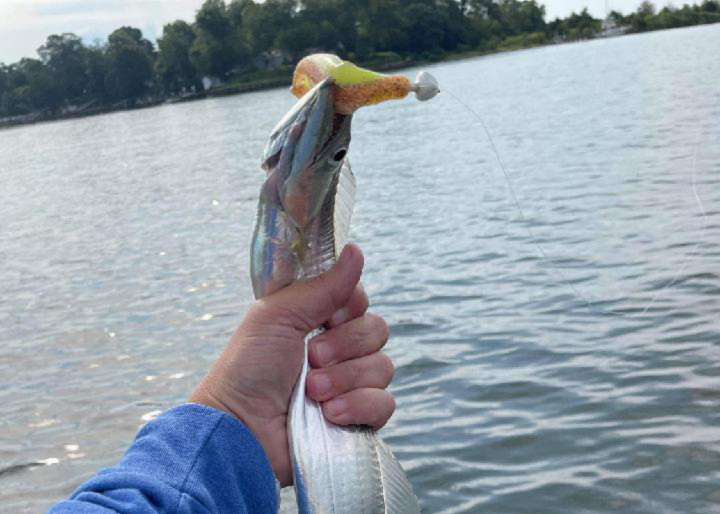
(353, 374)
(260, 309)
(392, 404)
(299, 320)
(383, 329)
(279, 314)
(388, 368)
(357, 333)
(382, 414)
(373, 331)
(378, 327)
(364, 300)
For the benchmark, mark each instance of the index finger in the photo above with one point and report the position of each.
(357, 338)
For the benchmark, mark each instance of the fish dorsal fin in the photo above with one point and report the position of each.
(344, 203)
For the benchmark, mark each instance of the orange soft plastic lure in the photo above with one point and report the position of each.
(357, 87)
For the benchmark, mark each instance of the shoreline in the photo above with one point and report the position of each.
(283, 78)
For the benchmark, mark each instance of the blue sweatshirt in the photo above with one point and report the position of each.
(191, 459)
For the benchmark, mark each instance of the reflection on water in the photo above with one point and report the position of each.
(586, 381)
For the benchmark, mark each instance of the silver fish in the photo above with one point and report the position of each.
(302, 223)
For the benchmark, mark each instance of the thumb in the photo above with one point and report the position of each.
(310, 303)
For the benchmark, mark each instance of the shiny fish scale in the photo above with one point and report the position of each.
(338, 470)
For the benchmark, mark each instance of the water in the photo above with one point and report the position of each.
(584, 382)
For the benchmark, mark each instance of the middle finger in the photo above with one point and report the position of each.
(372, 371)
(357, 338)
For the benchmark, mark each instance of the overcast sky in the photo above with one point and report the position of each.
(25, 24)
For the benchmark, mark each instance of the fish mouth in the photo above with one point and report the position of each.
(338, 121)
(308, 128)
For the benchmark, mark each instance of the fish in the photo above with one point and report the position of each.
(302, 223)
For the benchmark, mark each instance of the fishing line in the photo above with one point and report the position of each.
(536, 242)
(704, 229)
(545, 256)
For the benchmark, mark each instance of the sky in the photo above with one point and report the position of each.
(25, 24)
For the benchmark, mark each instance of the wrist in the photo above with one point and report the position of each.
(202, 396)
(263, 430)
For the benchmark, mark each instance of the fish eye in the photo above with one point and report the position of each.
(340, 155)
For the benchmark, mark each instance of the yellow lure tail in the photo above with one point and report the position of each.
(355, 87)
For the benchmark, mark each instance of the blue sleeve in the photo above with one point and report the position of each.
(191, 459)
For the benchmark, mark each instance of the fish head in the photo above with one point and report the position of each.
(305, 153)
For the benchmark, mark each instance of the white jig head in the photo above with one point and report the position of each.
(425, 86)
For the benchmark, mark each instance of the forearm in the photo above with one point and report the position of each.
(190, 459)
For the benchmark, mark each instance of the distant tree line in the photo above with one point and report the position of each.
(647, 17)
(231, 41)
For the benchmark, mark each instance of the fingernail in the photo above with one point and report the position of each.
(336, 407)
(322, 383)
(323, 352)
(340, 317)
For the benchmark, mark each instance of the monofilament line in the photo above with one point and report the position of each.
(517, 202)
(563, 278)
(704, 229)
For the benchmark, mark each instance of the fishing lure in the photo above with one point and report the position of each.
(357, 87)
(302, 223)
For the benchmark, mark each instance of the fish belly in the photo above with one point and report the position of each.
(342, 469)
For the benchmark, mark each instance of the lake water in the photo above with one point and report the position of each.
(564, 360)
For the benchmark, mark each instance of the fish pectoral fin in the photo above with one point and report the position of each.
(398, 495)
(343, 208)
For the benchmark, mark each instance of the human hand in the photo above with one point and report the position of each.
(254, 377)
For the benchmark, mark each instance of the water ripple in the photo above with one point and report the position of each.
(584, 380)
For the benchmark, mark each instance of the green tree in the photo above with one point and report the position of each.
(265, 22)
(485, 26)
(522, 17)
(456, 25)
(209, 56)
(65, 57)
(582, 25)
(96, 66)
(424, 27)
(382, 27)
(219, 45)
(297, 39)
(129, 65)
(483, 8)
(3, 86)
(29, 87)
(647, 8)
(321, 16)
(238, 38)
(212, 18)
(617, 16)
(43, 92)
(235, 11)
(173, 66)
(346, 23)
(312, 27)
